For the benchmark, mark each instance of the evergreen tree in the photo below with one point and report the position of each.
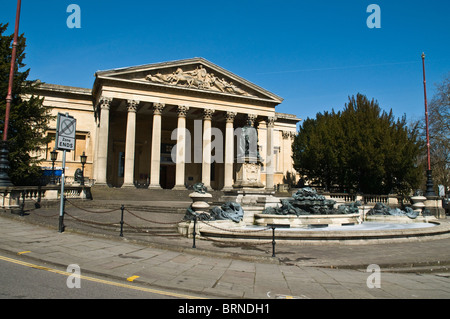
(360, 149)
(28, 119)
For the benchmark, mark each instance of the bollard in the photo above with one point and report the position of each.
(22, 206)
(194, 231)
(61, 227)
(121, 220)
(273, 241)
(273, 226)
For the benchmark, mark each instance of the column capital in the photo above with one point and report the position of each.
(158, 108)
(251, 118)
(292, 134)
(105, 102)
(271, 121)
(285, 134)
(132, 105)
(182, 110)
(230, 116)
(207, 114)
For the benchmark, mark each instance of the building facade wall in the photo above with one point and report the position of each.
(78, 103)
(122, 124)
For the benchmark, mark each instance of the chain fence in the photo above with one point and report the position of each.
(168, 229)
(236, 232)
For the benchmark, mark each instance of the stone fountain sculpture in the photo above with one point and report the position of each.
(201, 209)
(307, 209)
(228, 211)
(306, 201)
(382, 209)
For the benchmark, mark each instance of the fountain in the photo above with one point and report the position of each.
(308, 209)
(249, 211)
(418, 213)
(227, 216)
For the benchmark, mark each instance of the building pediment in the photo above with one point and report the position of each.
(195, 74)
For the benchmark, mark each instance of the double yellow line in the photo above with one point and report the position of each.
(102, 281)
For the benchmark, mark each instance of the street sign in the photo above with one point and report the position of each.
(65, 132)
(66, 127)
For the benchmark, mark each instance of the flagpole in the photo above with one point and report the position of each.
(429, 191)
(11, 72)
(4, 163)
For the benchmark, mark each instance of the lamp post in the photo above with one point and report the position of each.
(83, 159)
(429, 191)
(4, 163)
(53, 157)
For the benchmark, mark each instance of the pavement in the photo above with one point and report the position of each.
(152, 253)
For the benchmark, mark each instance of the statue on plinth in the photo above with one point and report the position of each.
(248, 158)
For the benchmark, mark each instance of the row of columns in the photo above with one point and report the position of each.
(102, 146)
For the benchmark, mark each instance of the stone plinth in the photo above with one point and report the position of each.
(418, 203)
(434, 205)
(248, 173)
(199, 202)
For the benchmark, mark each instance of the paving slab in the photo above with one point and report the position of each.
(230, 273)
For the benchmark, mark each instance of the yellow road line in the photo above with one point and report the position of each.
(24, 252)
(102, 281)
(132, 278)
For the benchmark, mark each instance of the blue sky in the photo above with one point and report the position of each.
(314, 54)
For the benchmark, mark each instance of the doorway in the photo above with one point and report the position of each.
(167, 176)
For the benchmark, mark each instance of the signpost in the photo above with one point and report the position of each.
(65, 141)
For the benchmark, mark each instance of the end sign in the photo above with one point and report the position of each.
(65, 132)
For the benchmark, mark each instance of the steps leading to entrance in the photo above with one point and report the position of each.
(143, 194)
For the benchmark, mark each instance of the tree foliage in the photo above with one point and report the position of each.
(28, 120)
(439, 132)
(361, 149)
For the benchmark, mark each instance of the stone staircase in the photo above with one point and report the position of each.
(139, 199)
(143, 194)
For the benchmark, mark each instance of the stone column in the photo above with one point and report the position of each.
(229, 151)
(102, 147)
(95, 161)
(269, 159)
(156, 146)
(130, 144)
(206, 163)
(181, 148)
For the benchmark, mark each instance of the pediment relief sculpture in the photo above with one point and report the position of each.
(199, 78)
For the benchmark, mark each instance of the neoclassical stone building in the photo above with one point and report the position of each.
(130, 121)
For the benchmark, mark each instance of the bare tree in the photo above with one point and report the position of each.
(439, 125)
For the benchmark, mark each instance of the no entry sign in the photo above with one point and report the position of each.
(65, 132)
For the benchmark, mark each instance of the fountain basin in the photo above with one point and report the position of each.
(400, 219)
(360, 234)
(305, 221)
(186, 228)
